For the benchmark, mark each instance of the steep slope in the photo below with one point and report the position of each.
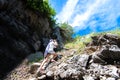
(100, 61)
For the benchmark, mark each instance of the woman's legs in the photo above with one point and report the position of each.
(44, 61)
(54, 56)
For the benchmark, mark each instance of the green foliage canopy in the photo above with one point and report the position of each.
(42, 6)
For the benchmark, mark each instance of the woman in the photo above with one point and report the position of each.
(48, 52)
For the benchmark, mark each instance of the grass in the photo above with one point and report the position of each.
(80, 41)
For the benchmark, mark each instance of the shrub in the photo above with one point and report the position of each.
(42, 6)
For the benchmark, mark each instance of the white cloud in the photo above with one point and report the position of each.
(107, 13)
(67, 11)
(95, 14)
(80, 19)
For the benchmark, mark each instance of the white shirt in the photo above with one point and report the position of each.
(50, 47)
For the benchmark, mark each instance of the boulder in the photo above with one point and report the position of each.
(50, 74)
(34, 67)
(109, 54)
(104, 48)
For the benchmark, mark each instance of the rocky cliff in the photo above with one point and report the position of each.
(22, 31)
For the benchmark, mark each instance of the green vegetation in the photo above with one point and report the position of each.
(115, 31)
(79, 42)
(44, 8)
(66, 31)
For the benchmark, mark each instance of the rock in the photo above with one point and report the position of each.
(100, 40)
(37, 45)
(109, 49)
(97, 59)
(34, 67)
(107, 54)
(41, 77)
(49, 74)
(33, 79)
(69, 73)
(114, 72)
(103, 70)
(73, 59)
(64, 75)
(1, 3)
(35, 57)
(82, 61)
(103, 77)
(86, 77)
(67, 70)
(58, 72)
(110, 79)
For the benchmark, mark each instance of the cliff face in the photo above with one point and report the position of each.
(22, 31)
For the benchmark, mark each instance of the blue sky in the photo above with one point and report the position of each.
(86, 16)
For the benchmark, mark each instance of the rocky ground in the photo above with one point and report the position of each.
(20, 73)
(99, 61)
(26, 70)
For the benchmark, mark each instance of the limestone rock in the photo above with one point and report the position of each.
(49, 74)
(34, 67)
(41, 77)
